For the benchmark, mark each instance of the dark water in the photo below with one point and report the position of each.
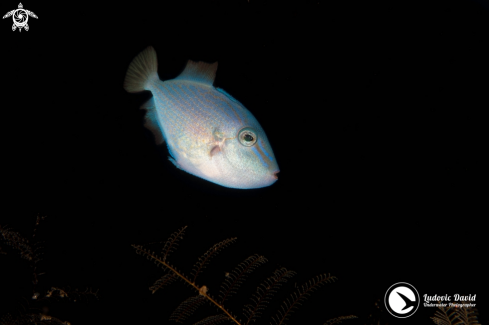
(374, 113)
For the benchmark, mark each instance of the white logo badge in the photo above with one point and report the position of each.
(401, 300)
(20, 17)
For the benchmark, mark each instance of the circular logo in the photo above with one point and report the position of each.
(20, 17)
(401, 300)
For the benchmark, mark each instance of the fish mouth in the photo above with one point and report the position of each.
(275, 174)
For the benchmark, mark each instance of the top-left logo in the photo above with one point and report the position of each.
(20, 17)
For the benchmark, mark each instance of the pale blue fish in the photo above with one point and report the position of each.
(209, 133)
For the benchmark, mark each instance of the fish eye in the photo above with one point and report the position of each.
(247, 137)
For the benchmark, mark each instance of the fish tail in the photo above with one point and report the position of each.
(142, 71)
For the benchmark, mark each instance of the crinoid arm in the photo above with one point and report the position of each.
(468, 315)
(204, 260)
(338, 320)
(31, 250)
(170, 246)
(184, 309)
(213, 320)
(162, 282)
(264, 294)
(17, 242)
(187, 308)
(232, 282)
(296, 298)
(160, 262)
(455, 316)
(446, 316)
(230, 286)
(172, 242)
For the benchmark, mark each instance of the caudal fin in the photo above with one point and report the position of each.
(142, 71)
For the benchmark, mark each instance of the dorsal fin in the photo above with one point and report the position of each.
(199, 72)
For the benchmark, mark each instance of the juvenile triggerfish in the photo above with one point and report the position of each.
(209, 133)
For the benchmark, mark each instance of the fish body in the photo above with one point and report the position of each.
(208, 133)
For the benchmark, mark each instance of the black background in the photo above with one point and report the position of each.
(374, 111)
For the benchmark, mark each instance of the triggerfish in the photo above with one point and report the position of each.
(209, 134)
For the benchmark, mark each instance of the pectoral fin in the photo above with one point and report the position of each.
(215, 150)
